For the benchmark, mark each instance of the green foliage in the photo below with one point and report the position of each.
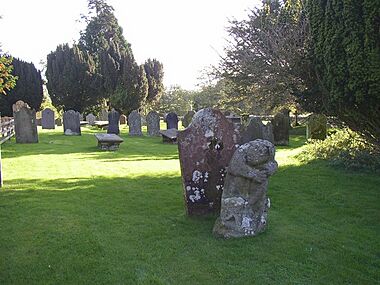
(7, 79)
(72, 79)
(155, 73)
(344, 148)
(27, 89)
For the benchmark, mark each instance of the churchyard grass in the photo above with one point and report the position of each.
(72, 214)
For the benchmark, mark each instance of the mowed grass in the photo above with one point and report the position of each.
(72, 214)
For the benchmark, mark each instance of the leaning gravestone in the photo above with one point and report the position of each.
(134, 122)
(48, 119)
(153, 123)
(244, 205)
(113, 122)
(205, 150)
(90, 118)
(256, 130)
(25, 123)
(316, 127)
(186, 121)
(123, 119)
(171, 121)
(71, 123)
(281, 123)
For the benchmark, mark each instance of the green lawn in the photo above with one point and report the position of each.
(71, 214)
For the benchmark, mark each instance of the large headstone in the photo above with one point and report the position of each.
(134, 122)
(244, 205)
(113, 122)
(316, 127)
(256, 129)
(153, 123)
(123, 119)
(90, 118)
(281, 124)
(48, 119)
(205, 150)
(171, 121)
(186, 121)
(103, 115)
(71, 123)
(25, 123)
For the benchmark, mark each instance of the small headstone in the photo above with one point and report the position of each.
(186, 121)
(205, 150)
(25, 123)
(103, 115)
(134, 122)
(58, 122)
(281, 124)
(171, 121)
(123, 119)
(48, 120)
(153, 123)
(71, 123)
(90, 118)
(316, 127)
(169, 136)
(256, 129)
(113, 122)
(244, 205)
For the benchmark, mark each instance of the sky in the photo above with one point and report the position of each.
(186, 36)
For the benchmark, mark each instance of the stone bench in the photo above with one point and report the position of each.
(101, 124)
(108, 141)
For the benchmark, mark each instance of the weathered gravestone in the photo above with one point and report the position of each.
(134, 122)
(316, 127)
(90, 118)
(71, 123)
(171, 121)
(113, 122)
(281, 124)
(58, 122)
(244, 205)
(103, 115)
(123, 119)
(186, 121)
(256, 130)
(48, 119)
(153, 123)
(205, 150)
(25, 123)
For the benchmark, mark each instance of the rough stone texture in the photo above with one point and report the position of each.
(281, 124)
(186, 121)
(103, 115)
(134, 122)
(108, 141)
(25, 123)
(90, 118)
(268, 132)
(244, 205)
(205, 150)
(71, 123)
(153, 123)
(113, 122)
(316, 127)
(48, 119)
(171, 121)
(123, 120)
(169, 136)
(256, 130)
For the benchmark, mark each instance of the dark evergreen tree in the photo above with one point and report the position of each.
(155, 74)
(72, 79)
(28, 87)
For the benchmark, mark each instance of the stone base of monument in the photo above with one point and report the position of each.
(109, 142)
(169, 136)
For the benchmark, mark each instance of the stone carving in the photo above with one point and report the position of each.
(256, 130)
(25, 123)
(205, 149)
(90, 118)
(123, 119)
(48, 119)
(316, 127)
(281, 124)
(171, 121)
(71, 123)
(113, 122)
(103, 115)
(186, 121)
(134, 122)
(153, 123)
(244, 205)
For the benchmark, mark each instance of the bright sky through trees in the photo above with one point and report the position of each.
(185, 36)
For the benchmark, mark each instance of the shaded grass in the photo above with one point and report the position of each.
(71, 214)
